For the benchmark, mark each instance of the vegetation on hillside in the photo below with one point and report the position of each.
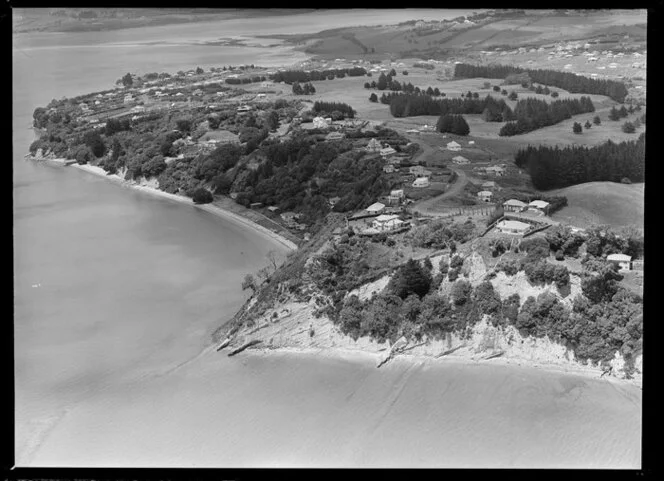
(532, 114)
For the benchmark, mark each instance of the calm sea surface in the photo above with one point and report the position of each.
(116, 294)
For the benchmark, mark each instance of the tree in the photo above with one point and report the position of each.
(461, 291)
(623, 111)
(436, 92)
(297, 89)
(628, 128)
(503, 92)
(496, 88)
(367, 85)
(382, 82)
(184, 125)
(513, 95)
(199, 70)
(577, 128)
(93, 140)
(487, 85)
(597, 120)
(554, 94)
(202, 196)
(373, 97)
(411, 278)
(393, 73)
(405, 72)
(587, 125)
(272, 120)
(127, 81)
(614, 114)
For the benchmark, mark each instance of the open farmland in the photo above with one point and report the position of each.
(602, 203)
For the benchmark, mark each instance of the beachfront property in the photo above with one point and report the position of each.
(539, 207)
(513, 205)
(375, 208)
(460, 160)
(421, 182)
(622, 260)
(485, 196)
(512, 227)
(386, 223)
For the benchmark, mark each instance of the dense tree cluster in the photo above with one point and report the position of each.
(439, 234)
(553, 167)
(532, 114)
(290, 76)
(454, 124)
(564, 80)
(408, 105)
(329, 107)
(306, 89)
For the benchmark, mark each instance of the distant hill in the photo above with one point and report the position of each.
(602, 203)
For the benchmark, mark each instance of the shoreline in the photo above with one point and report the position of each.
(359, 355)
(212, 209)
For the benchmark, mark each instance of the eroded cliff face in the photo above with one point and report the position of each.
(291, 323)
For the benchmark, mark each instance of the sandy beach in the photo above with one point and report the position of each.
(212, 209)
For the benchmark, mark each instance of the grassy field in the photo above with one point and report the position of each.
(602, 203)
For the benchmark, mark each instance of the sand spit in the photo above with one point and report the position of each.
(151, 187)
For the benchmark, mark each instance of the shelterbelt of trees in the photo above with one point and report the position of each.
(301, 76)
(606, 318)
(411, 105)
(532, 114)
(553, 167)
(564, 80)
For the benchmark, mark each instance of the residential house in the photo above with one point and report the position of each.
(319, 123)
(460, 160)
(485, 195)
(290, 218)
(637, 265)
(373, 146)
(387, 151)
(274, 209)
(624, 261)
(495, 170)
(514, 205)
(389, 168)
(421, 182)
(471, 142)
(332, 201)
(453, 146)
(375, 208)
(128, 98)
(385, 223)
(512, 227)
(490, 185)
(334, 136)
(396, 196)
(539, 206)
(419, 171)
(244, 108)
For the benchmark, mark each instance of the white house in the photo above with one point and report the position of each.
(485, 195)
(396, 196)
(624, 261)
(512, 227)
(375, 208)
(471, 142)
(319, 123)
(387, 151)
(386, 222)
(419, 171)
(539, 206)
(373, 145)
(421, 182)
(514, 205)
(460, 160)
(453, 146)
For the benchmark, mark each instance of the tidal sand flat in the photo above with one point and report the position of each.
(304, 410)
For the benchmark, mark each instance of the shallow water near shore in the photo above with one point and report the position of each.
(117, 292)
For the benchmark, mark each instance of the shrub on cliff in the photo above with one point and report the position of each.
(202, 196)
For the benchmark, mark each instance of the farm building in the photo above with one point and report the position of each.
(485, 195)
(421, 182)
(512, 227)
(386, 222)
(514, 205)
(539, 206)
(624, 261)
(453, 146)
(460, 160)
(375, 208)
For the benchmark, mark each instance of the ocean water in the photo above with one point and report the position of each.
(116, 294)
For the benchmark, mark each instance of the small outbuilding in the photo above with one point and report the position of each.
(513, 205)
(512, 227)
(485, 195)
(539, 206)
(421, 182)
(453, 146)
(623, 260)
(375, 208)
(459, 160)
(386, 223)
